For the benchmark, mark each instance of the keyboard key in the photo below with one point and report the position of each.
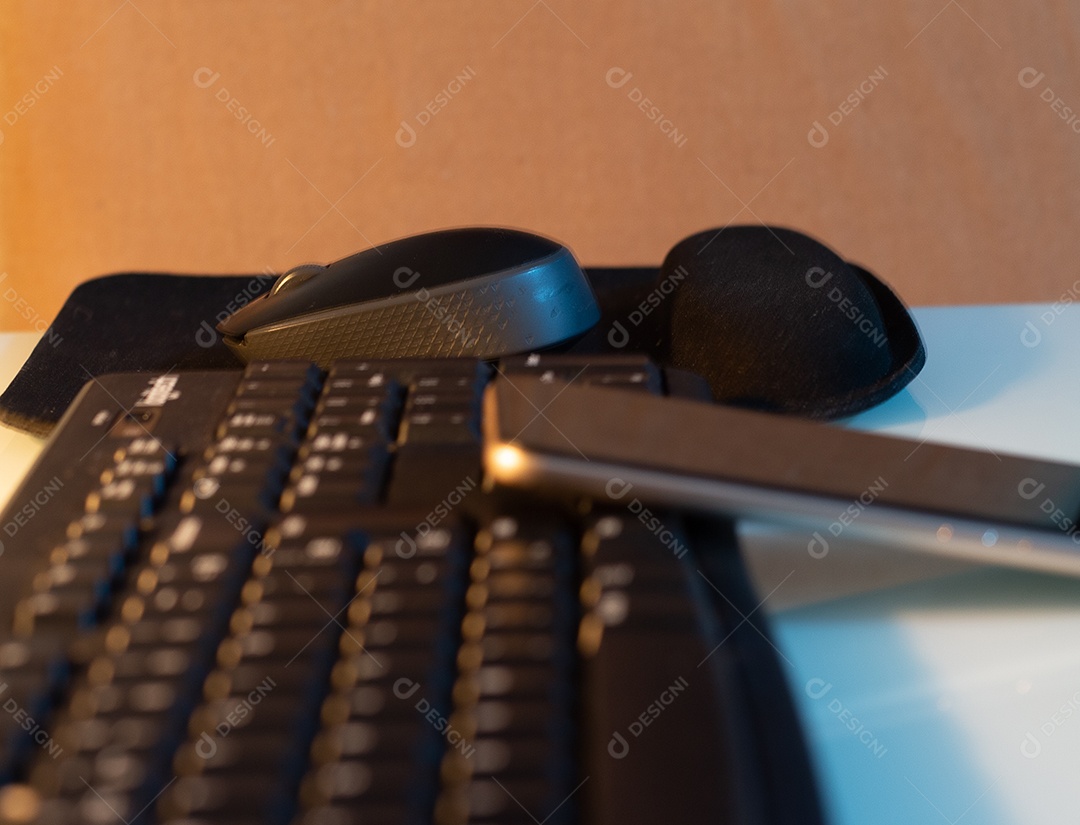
(426, 476)
(623, 371)
(285, 369)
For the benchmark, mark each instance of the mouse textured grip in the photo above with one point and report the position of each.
(485, 319)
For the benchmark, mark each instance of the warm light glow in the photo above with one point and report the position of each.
(507, 459)
(19, 803)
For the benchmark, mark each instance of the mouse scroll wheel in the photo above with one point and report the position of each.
(296, 276)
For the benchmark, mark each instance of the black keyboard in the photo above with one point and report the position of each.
(287, 596)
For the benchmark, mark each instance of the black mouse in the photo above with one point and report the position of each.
(474, 292)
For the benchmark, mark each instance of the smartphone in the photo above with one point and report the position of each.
(641, 450)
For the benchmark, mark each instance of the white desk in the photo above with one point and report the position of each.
(17, 449)
(947, 667)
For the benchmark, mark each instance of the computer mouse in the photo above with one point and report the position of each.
(775, 320)
(478, 292)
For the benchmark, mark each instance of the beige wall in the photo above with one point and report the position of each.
(950, 178)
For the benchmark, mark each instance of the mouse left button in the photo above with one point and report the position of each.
(259, 312)
(294, 277)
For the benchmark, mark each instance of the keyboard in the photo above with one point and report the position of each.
(288, 595)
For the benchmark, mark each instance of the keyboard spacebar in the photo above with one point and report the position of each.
(659, 745)
(654, 744)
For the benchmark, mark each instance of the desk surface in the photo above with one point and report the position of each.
(932, 690)
(17, 449)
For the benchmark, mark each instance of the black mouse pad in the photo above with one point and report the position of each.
(121, 323)
(152, 322)
(132, 322)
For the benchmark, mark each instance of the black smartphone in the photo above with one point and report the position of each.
(646, 451)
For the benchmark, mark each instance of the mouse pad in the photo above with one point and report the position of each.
(151, 322)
